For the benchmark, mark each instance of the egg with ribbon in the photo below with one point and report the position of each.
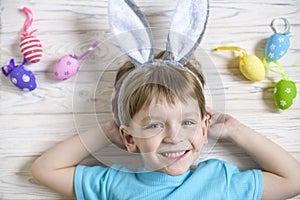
(23, 79)
(30, 46)
(285, 92)
(66, 67)
(250, 65)
(252, 68)
(19, 76)
(277, 46)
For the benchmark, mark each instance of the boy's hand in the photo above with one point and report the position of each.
(281, 172)
(111, 131)
(221, 126)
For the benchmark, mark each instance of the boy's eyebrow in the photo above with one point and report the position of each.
(191, 114)
(148, 118)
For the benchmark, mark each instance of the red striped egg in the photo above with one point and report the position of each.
(31, 48)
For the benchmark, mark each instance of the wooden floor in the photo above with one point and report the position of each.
(31, 122)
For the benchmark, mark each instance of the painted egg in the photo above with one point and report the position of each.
(66, 67)
(284, 93)
(252, 68)
(23, 79)
(277, 46)
(31, 48)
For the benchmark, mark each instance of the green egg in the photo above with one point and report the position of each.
(284, 93)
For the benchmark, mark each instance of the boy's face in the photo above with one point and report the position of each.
(168, 136)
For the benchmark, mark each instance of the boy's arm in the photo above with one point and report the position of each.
(281, 171)
(56, 167)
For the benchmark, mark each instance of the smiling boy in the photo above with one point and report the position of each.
(159, 112)
(168, 128)
(165, 136)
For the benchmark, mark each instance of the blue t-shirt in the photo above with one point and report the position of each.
(212, 179)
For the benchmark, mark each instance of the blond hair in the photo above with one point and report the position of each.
(155, 82)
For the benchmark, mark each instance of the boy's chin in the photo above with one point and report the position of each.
(174, 170)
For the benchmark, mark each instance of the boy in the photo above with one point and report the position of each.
(159, 108)
(169, 128)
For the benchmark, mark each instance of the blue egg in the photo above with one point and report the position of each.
(23, 79)
(277, 46)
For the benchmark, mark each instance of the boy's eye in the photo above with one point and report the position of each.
(188, 122)
(154, 126)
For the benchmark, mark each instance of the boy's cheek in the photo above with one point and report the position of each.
(198, 141)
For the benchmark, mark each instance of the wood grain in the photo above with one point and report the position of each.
(30, 123)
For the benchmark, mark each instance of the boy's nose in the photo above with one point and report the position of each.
(172, 134)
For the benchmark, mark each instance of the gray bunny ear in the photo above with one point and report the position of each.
(132, 30)
(187, 28)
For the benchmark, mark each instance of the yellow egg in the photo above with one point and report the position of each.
(252, 67)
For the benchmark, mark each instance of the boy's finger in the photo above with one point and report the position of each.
(209, 110)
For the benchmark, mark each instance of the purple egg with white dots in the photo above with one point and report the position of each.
(66, 67)
(23, 79)
(19, 76)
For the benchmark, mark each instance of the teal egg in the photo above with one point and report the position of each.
(277, 46)
(284, 93)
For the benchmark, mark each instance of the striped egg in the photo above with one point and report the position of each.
(31, 48)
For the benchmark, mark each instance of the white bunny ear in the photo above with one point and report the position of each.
(187, 28)
(132, 30)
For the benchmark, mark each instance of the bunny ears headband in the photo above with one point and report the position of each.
(135, 36)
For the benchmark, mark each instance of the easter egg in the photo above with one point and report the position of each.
(66, 67)
(31, 48)
(284, 93)
(252, 68)
(277, 46)
(23, 79)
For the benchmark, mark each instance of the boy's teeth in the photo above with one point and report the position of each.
(173, 154)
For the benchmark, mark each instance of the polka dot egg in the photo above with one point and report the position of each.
(277, 46)
(23, 79)
(284, 93)
(66, 67)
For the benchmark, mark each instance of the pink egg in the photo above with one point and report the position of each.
(66, 67)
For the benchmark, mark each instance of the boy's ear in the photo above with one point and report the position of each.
(205, 124)
(127, 139)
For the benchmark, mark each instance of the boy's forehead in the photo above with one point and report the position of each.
(161, 103)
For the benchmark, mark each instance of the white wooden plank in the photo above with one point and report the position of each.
(33, 122)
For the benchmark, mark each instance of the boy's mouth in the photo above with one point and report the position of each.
(175, 154)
